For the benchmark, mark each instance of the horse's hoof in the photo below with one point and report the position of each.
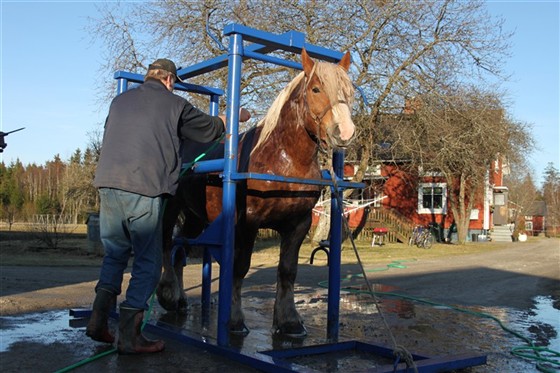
(173, 318)
(240, 330)
(182, 306)
(292, 330)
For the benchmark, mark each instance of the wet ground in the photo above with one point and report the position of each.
(443, 308)
(427, 330)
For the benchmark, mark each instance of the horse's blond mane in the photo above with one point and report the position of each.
(336, 84)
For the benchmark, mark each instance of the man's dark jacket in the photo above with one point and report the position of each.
(142, 140)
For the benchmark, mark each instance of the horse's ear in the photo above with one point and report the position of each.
(307, 62)
(345, 61)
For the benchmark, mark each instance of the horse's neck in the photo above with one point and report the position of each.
(289, 146)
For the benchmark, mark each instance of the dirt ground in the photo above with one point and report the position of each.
(506, 283)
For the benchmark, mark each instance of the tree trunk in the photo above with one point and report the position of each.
(461, 206)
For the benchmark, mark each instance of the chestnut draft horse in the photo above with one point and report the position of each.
(310, 114)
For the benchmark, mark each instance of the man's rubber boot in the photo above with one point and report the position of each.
(131, 341)
(98, 325)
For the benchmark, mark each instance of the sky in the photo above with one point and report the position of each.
(49, 74)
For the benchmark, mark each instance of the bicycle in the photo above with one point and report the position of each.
(415, 235)
(421, 237)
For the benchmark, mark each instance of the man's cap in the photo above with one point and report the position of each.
(165, 64)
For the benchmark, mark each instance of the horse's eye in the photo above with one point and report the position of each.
(316, 90)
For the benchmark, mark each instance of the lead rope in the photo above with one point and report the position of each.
(399, 351)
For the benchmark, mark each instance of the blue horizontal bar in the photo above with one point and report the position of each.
(311, 350)
(214, 165)
(203, 67)
(218, 62)
(257, 361)
(292, 41)
(138, 78)
(285, 179)
(274, 60)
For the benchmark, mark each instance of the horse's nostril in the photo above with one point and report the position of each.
(344, 136)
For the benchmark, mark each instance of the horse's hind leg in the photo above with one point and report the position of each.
(245, 240)
(170, 291)
(287, 320)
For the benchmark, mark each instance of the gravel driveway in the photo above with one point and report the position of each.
(505, 283)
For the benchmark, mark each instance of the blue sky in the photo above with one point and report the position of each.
(49, 72)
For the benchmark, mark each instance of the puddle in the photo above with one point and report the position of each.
(542, 322)
(45, 328)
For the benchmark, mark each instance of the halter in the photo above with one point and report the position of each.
(319, 118)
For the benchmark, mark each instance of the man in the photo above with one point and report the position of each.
(138, 167)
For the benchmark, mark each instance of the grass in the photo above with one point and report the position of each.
(268, 249)
(27, 248)
(20, 247)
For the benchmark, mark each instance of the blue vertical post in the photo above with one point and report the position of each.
(122, 85)
(334, 252)
(214, 109)
(228, 202)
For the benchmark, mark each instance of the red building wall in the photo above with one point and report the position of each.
(401, 189)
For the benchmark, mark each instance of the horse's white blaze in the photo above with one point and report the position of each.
(343, 117)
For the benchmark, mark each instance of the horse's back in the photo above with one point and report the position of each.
(201, 194)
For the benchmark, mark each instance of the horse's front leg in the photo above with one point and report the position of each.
(287, 320)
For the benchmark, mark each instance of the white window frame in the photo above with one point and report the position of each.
(429, 173)
(424, 210)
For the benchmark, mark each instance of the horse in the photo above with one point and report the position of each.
(311, 114)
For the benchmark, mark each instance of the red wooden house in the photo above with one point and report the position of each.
(535, 218)
(398, 199)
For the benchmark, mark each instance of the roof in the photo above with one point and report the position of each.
(537, 208)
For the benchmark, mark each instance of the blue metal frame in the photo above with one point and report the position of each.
(219, 237)
(278, 360)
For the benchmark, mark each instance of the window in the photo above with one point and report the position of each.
(432, 198)
(378, 198)
(499, 199)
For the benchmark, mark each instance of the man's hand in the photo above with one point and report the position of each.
(244, 115)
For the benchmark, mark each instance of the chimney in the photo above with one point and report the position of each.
(411, 105)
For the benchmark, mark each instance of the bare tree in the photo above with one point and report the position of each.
(523, 194)
(551, 194)
(78, 195)
(400, 49)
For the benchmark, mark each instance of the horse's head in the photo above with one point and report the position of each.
(329, 95)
